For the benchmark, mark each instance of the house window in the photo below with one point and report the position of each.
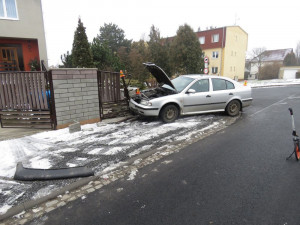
(215, 38)
(202, 40)
(8, 9)
(215, 55)
(214, 70)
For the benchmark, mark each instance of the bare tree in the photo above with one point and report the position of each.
(297, 53)
(257, 58)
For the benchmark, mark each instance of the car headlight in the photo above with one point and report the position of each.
(145, 102)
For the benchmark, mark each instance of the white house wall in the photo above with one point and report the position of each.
(29, 25)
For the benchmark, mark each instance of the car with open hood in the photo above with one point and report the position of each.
(190, 94)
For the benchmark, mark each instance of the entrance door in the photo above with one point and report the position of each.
(9, 59)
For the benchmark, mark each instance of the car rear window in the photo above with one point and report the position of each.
(221, 84)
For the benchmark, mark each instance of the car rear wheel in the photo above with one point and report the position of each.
(169, 113)
(233, 108)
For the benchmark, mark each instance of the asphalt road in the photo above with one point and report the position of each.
(237, 176)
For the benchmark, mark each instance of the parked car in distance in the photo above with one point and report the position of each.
(190, 94)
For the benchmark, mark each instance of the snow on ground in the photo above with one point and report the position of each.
(132, 174)
(44, 150)
(270, 83)
(101, 148)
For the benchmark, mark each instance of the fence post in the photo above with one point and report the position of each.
(99, 83)
(52, 101)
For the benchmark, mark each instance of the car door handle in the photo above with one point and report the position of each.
(230, 93)
(208, 96)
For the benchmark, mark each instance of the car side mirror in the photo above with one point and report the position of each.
(191, 91)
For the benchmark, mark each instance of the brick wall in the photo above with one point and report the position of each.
(76, 96)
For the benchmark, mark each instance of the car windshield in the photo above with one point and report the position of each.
(179, 83)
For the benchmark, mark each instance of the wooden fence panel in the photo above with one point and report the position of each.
(27, 85)
(17, 92)
(44, 88)
(109, 84)
(2, 101)
(9, 91)
(24, 100)
(110, 101)
(23, 91)
(35, 90)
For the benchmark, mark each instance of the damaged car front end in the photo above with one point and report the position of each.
(146, 103)
(190, 94)
(151, 101)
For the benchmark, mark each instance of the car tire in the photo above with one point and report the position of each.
(169, 113)
(233, 108)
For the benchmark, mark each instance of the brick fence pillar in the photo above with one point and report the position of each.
(76, 96)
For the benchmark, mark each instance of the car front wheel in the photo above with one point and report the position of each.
(233, 108)
(169, 113)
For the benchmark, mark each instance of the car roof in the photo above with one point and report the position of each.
(198, 76)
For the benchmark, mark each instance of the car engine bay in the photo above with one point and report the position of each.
(152, 94)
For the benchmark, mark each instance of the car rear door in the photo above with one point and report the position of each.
(223, 91)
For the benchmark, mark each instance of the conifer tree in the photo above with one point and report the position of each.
(186, 52)
(159, 50)
(81, 51)
(67, 61)
(290, 60)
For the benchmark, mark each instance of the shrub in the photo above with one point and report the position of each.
(270, 71)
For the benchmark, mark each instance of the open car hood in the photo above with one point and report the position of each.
(161, 77)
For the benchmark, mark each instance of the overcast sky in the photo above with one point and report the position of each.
(271, 24)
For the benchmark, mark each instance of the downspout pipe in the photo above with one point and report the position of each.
(222, 51)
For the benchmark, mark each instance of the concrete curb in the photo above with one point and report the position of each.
(31, 203)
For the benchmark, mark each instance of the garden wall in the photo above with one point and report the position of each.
(76, 96)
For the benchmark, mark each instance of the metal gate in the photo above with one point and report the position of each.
(25, 100)
(112, 102)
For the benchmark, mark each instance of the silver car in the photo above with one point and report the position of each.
(190, 94)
